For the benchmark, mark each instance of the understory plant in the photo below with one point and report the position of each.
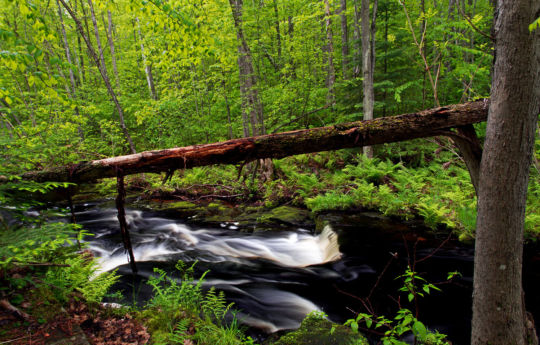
(405, 322)
(180, 312)
(43, 264)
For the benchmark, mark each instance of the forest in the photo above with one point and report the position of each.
(83, 81)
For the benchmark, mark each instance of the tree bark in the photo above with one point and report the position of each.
(368, 63)
(252, 109)
(356, 134)
(499, 315)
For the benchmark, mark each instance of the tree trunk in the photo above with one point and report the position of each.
(278, 36)
(357, 65)
(73, 89)
(79, 35)
(228, 107)
(368, 64)
(101, 67)
(67, 49)
(147, 66)
(331, 76)
(499, 315)
(344, 41)
(105, 75)
(356, 134)
(109, 31)
(252, 109)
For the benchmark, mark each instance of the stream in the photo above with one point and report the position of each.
(276, 277)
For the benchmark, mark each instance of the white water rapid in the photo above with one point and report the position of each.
(228, 253)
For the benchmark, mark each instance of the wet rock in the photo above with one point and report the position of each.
(76, 336)
(243, 218)
(316, 330)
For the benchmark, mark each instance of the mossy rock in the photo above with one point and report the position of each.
(289, 215)
(316, 330)
(279, 218)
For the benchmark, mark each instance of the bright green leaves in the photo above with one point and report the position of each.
(405, 322)
(534, 25)
(411, 280)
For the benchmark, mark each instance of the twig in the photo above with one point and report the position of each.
(208, 185)
(436, 249)
(219, 196)
(393, 256)
(301, 117)
(12, 340)
(4, 303)
(475, 28)
(48, 264)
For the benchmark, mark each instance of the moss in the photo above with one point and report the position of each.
(316, 330)
(288, 215)
(184, 205)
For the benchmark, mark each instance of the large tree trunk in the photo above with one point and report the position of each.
(101, 67)
(368, 63)
(431, 122)
(499, 317)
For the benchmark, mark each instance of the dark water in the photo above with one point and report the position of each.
(275, 278)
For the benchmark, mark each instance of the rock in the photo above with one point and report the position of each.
(317, 330)
(290, 216)
(243, 218)
(60, 337)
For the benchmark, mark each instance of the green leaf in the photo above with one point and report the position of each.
(369, 322)
(534, 25)
(419, 330)
(410, 297)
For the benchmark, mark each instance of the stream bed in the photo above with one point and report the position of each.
(277, 276)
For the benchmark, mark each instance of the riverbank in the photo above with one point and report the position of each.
(432, 186)
(367, 241)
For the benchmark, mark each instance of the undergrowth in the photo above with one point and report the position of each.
(419, 178)
(181, 312)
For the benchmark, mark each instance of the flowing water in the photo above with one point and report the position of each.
(277, 277)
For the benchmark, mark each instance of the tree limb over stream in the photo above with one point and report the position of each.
(432, 122)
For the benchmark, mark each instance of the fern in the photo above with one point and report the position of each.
(44, 243)
(81, 275)
(181, 304)
(179, 334)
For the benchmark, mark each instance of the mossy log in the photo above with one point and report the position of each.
(432, 122)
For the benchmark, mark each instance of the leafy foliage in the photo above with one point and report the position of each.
(405, 322)
(80, 275)
(186, 313)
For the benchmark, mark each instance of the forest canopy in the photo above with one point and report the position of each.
(173, 67)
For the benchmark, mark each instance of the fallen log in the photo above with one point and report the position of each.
(432, 122)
